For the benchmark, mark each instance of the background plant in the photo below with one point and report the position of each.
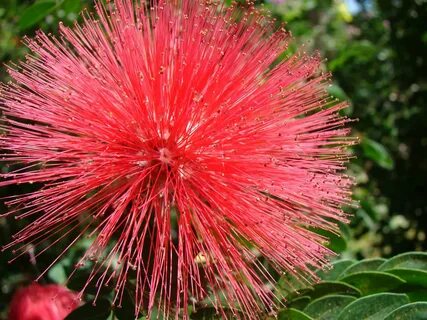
(377, 52)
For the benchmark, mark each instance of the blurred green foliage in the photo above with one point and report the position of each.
(377, 54)
(20, 18)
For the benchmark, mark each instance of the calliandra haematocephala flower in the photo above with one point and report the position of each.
(172, 135)
(37, 302)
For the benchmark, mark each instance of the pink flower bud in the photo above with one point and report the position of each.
(36, 302)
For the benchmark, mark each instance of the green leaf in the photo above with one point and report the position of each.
(336, 91)
(88, 311)
(373, 307)
(411, 276)
(36, 12)
(345, 230)
(300, 293)
(335, 242)
(211, 313)
(299, 303)
(70, 6)
(409, 260)
(292, 314)
(290, 286)
(369, 282)
(378, 153)
(364, 265)
(416, 295)
(156, 315)
(333, 287)
(337, 268)
(411, 311)
(328, 307)
(57, 274)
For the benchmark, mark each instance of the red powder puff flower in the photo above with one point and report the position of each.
(173, 135)
(36, 302)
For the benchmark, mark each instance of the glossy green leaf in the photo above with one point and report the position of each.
(299, 303)
(328, 307)
(335, 242)
(364, 265)
(88, 311)
(337, 268)
(411, 276)
(369, 282)
(292, 314)
(416, 294)
(373, 307)
(378, 153)
(300, 293)
(333, 287)
(36, 12)
(409, 260)
(412, 311)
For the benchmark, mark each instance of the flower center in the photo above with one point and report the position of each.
(165, 155)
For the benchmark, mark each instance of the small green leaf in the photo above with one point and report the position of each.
(364, 265)
(36, 12)
(333, 287)
(335, 242)
(336, 91)
(378, 153)
(369, 282)
(337, 268)
(299, 303)
(57, 274)
(373, 307)
(88, 311)
(293, 314)
(411, 311)
(409, 260)
(328, 307)
(411, 276)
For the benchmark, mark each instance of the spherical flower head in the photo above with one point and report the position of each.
(173, 136)
(36, 302)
